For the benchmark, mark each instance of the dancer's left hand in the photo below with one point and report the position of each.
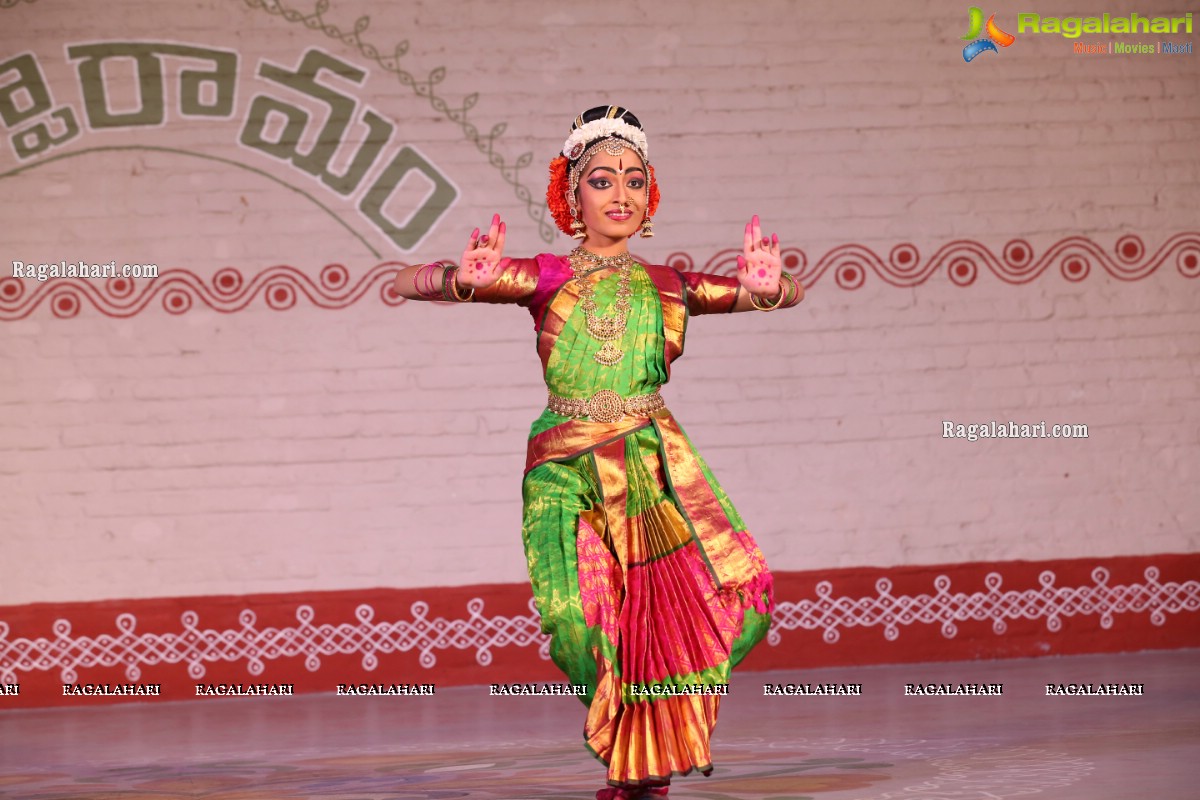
(759, 265)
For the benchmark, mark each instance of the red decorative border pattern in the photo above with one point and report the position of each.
(177, 289)
(279, 287)
(961, 259)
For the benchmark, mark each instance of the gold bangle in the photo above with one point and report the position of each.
(754, 301)
(793, 290)
(454, 290)
(451, 287)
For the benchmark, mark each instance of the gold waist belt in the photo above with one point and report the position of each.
(607, 406)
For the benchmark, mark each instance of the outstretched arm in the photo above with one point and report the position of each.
(481, 266)
(761, 284)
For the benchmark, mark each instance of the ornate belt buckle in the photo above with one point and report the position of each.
(605, 406)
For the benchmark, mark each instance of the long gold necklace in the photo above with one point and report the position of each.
(611, 328)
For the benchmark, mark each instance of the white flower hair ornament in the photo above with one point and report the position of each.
(601, 128)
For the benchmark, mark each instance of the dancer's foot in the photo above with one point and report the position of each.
(631, 792)
(617, 793)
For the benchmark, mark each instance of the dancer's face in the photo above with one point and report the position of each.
(612, 197)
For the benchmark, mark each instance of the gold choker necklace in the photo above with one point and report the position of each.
(605, 329)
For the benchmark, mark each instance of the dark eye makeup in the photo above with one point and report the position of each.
(604, 183)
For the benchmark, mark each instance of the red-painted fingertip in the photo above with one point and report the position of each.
(475, 233)
(775, 238)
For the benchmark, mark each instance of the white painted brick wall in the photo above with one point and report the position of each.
(311, 449)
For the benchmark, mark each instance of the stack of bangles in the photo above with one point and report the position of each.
(426, 284)
(786, 294)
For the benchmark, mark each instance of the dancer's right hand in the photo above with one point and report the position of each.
(481, 264)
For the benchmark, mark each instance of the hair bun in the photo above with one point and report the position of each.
(606, 112)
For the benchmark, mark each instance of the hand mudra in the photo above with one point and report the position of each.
(481, 263)
(759, 265)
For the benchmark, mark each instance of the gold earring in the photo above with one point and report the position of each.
(647, 227)
(577, 226)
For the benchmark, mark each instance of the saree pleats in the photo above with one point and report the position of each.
(642, 571)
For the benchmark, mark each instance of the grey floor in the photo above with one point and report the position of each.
(462, 743)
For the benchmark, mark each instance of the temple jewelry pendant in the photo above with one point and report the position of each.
(609, 355)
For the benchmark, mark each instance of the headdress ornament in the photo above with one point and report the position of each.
(611, 124)
(613, 129)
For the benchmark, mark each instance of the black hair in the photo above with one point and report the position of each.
(600, 112)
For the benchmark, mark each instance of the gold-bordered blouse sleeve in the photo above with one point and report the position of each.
(711, 294)
(516, 284)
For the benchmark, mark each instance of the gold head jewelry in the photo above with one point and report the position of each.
(612, 146)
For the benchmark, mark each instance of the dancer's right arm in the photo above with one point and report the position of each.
(481, 263)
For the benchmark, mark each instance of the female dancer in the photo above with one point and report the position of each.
(644, 574)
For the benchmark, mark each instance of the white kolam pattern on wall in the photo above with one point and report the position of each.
(372, 634)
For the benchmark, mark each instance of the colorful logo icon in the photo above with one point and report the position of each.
(994, 37)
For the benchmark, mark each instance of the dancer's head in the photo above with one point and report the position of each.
(604, 166)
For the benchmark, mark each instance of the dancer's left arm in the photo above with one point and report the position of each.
(760, 274)
(484, 274)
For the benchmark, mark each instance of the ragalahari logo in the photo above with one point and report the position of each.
(994, 37)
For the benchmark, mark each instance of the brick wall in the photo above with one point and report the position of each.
(153, 454)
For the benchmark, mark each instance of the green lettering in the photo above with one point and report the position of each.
(256, 121)
(36, 139)
(29, 78)
(1030, 20)
(147, 58)
(42, 138)
(223, 77)
(331, 136)
(421, 221)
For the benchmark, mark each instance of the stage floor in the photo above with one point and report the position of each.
(463, 743)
